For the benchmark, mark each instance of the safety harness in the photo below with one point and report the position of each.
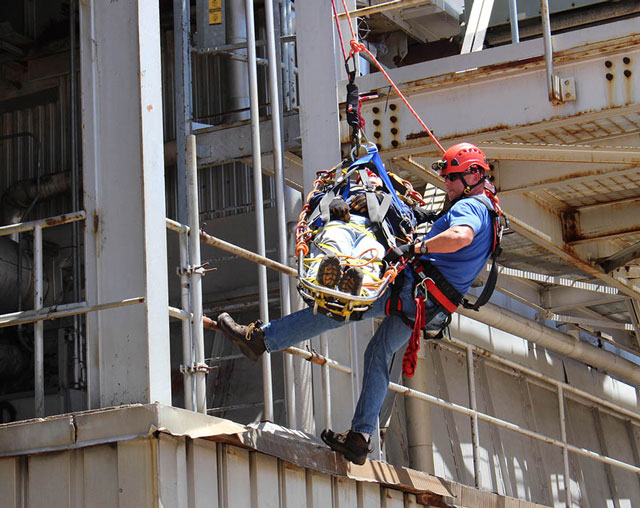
(431, 282)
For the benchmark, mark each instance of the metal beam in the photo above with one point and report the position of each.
(229, 143)
(621, 258)
(602, 221)
(518, 72)
(543, 227)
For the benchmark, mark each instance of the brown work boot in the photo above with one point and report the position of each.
(351, 281)
(249, 338)
(350, 444)
(329, 271)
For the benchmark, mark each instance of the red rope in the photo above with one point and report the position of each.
(411, 354)
(335, 13)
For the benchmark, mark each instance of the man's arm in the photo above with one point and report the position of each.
(450, 240)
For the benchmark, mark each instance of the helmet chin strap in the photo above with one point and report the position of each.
(468, 188)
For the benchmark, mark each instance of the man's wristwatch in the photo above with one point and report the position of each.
(423, 248)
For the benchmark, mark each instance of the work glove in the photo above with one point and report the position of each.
(359, 203)
(339, 210)
(406, 251)
(423, 215)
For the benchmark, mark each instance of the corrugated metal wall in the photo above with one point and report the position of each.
(176, 472)
(45, 114)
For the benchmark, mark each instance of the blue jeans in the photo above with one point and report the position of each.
(391, 335)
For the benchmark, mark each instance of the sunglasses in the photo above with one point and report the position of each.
(452, 177)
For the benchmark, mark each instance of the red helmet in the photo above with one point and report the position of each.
(459, 158)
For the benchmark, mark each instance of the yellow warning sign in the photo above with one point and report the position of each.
(215, 12)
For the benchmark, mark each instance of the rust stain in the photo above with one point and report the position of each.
(149, 107)
(59, 220)
(96, 222)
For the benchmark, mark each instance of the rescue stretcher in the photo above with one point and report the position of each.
(331, 301)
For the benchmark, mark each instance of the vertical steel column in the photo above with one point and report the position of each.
(182, 99)
(38, 328)
(278, 166)
(187, 348)
(259, 201)
(471, 378)
(513, 14)
(548, 47)
(195, 269)
(565, 451)
(355, 364)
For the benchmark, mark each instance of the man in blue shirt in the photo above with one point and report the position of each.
(457, 248)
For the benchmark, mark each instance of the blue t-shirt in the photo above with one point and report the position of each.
(463, 266)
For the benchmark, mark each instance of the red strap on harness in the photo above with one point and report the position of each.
(440, 296)
(411, 354)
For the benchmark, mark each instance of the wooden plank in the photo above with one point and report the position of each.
(202, 465)
(100, 473)
(49, 480)
(137, 473)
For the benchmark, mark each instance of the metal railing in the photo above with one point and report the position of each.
(39, 314)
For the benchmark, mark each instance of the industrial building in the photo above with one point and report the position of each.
(154, 160)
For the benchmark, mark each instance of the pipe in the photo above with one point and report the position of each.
(238, 89)
(475, 436)
(515, 324)
(187, 346)
(38, 329)
(196, 276)
(278, 166)
(513, 16)
(19, 196)
(182, 99)
(548, 46)
(259, 201)
(75, 180)
(565, 452)
(9, 275)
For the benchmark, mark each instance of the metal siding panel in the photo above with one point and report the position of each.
(235, 474)
(264, 481)
(410, 501)
(202, 467)
(344, 493)
(294, 488)
(9, 482)
(49, 480)
(172, 471)
(137, 473)
(368, 495)
(100, 468)
(392, 498)
(318, 489)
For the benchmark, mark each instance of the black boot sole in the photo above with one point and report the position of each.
(357, 457)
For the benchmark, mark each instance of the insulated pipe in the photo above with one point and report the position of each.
(515, 324)
(548, 47)
(278, 166)
(259, 201)
(326, 381)
(195, 270)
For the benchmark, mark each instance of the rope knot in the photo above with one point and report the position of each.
(356, 47)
